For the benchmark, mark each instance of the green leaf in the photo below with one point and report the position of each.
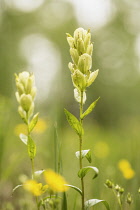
(31, 148)
(38, 173)
(74, 122)
(93, 202)
(75, 188)
(23, 138)
(33, 122)
(15, 188)
(85, 153)
(82, 172)
(88, 156)
(64, 203)
(89, 109)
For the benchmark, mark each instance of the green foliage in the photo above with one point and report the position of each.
(93, 202)
(31, 148)
(82, 172)
(23, 138)
(33, 122)
(15, 188)
(75, 188)
(64, 203)
(84, 153)
(89, 109)
(74, 123)
(38, 173)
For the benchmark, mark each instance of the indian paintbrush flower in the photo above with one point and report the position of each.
(25, 94)
(81, 50)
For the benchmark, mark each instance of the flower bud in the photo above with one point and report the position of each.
(117, 188)
(23, 76)
(17, 97)
(121, 191)
(87, 40)
(79, 33)
(109, 184)
(92, 77)
(20, 87)
(33, 92)
(74, 55)
(89, 49)
(25, 102)
(84, 63)
(21, 112)
(29, 84)
(80, 46)
(71, 67)
(129, 198)
(70, 41)
(79, 80)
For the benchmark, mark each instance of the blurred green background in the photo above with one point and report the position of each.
(33, 38)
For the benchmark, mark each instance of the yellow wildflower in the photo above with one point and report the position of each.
(55, 181)
(101, 149)
(126, 169)
(20, 128)
(41, 126)
(34, 187)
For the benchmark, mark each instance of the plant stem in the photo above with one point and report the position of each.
(32, 163)
(81, 142)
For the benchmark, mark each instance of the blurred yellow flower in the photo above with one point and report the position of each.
(55, 181)
(101, 149)
(123, 164)
(41, 126)
(126, 169)
(129, 173)
(20, 128)
(35, 188)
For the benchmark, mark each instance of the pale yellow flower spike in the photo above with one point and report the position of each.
(55, 181)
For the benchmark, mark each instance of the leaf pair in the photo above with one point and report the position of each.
(30, 144)
(82, 172)
(84, 153)
(74, 122)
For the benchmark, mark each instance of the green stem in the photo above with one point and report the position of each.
(118, 199)
(81, 142)
(32, 165)
(38, 208)
(33, 170)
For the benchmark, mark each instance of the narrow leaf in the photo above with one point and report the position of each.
(74, 122)
(15, 188)
(85, 153)
(93, 202)
(31, 148)
(33, 122)
(64, 203)
(88, 156)
(75, 188)
(82, 172)
(23, 138)
(89, 109)
(38, 173)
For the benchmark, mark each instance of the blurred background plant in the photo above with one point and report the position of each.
(32, 37)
